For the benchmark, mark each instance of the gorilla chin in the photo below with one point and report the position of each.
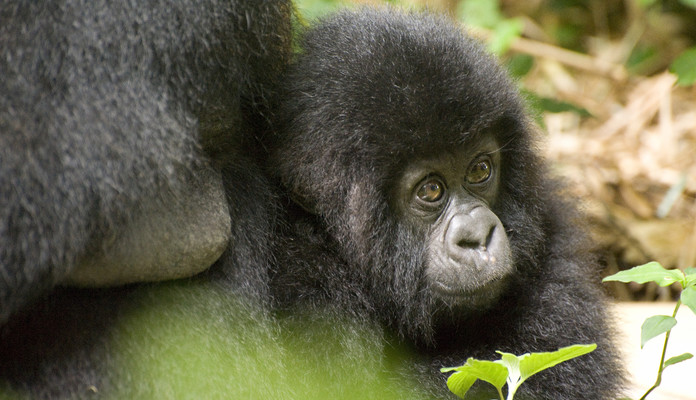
(461, 300)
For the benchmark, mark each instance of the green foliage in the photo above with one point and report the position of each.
(643, 56)
(688, 296)
(658, 324)
(539, 105)
(310, 9)
(193, 339)
(487, 14)
(655, 326)
(677, 359)
(685, 67)
(646, 3)
(510, 369)
(556, 106)
(493, 372)
(689, 3)
(480, 13)
(650, 272)
(519, 65)
(504, 33)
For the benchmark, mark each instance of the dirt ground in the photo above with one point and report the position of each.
(679, 380)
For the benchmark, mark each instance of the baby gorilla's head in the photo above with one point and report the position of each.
(411, 145)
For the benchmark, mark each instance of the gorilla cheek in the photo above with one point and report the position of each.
(469, 259)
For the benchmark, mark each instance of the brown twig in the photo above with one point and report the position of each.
(568, 57)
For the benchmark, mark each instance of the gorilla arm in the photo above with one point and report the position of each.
(116, 120)
(176, 236)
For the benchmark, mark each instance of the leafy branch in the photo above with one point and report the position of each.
(659, 324)
(510, 369)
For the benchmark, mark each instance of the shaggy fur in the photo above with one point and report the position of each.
(108, 111)
(372, 91)
(107, 108)
(104, 105)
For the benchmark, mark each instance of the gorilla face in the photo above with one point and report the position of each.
(410, 149)
(467, 257)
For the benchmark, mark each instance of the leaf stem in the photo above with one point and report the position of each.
(662, 358)
(511, 391)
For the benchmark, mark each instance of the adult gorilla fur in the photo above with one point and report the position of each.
(117, 120)
(373, 92)
(119, 123)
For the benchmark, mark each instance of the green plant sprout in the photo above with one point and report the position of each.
(510, 369)
(659, 324)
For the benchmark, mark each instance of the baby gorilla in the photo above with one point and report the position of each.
(416, 201)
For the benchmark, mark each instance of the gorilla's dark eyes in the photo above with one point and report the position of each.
(479, 171)
(431, 191)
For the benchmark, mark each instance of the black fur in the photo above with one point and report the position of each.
(111, 109)
(107, 109)
(372, 91)
(110, 112)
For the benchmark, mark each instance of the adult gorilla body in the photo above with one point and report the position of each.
(117, 121)
(421, 203)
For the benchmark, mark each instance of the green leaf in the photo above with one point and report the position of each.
(689, 3)
(465, 376)
(512, 363)
(677, 359)
(311, 9)
(684, 67)
(489, 371)
(655, 326)
(690, 276)
(532, 363)
(460, 382)
(642, 56)
(504, 33)
(688, 298)
(557, 106)
(519, 65)
(481, 13)
(650, 272)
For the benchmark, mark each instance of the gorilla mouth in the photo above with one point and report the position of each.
(475, 298)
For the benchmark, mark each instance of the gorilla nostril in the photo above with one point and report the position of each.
(489, 236)
(472, 231)
(468, 244)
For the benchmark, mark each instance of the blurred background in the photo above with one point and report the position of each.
(611, 85)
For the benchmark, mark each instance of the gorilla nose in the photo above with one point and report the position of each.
(472, 231)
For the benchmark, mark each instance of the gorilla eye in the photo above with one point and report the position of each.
(431, 191)
(479, 172)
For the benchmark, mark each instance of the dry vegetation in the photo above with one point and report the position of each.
(632, 163)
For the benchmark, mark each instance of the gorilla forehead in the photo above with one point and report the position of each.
(375, 89)
(400, 82)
